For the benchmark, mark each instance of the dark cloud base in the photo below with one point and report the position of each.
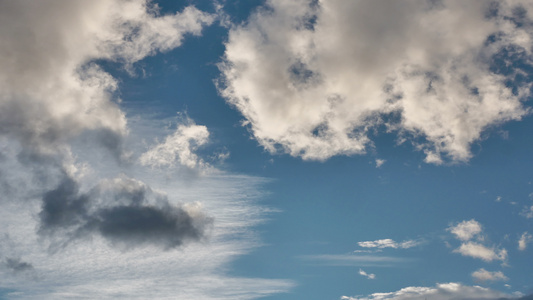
(123, 215)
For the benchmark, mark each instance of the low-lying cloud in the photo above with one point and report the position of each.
(124, 211)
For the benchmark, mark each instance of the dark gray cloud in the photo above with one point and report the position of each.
(124, 211)
(17, 265)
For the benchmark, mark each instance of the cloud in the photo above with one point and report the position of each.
(380, 162)
(466, 230)
(17, 265)
(369, 276)
(314, 79)
(51, 89)
(442, 291)
(124, 211)
(528, 212)
(388, 243)
(480, 251)
(524, 240)
(484, 275)
(178, 148)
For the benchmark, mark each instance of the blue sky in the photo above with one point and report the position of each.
(266, 149)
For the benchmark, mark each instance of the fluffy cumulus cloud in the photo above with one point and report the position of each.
(466, 230)
(388, 243)
(315, 78)
(484, 275)
(442, 291)
(179, 148)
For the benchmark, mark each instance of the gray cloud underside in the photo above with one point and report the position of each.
(124, 216)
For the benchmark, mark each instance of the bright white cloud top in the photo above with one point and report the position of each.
(314, 79)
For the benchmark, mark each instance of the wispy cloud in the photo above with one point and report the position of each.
(357, 260)
(389, 243)
(367, 275)
(323, 88)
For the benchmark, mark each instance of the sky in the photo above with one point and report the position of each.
(266, 149)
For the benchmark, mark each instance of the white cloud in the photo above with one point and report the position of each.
(525, 239)
(388, 243)
(442, 291)
(480, 251)
(484, 275)
(466, 230)
(369, 276)
(313, 80)
(380, 162)
(178, 148)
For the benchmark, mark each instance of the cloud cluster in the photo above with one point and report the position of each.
(465, 231)
(317, 78)
(388, 243)
(50, 88)
(60, 116)
(442, 291)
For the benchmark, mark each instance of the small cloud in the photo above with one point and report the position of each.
(480, 251)
(16, 265)
(484, 275)
(527, 211)
(524, 240)
(388, 243)
(499, 199)
(179, 148)
(466, 230)
(380, 162)
(369, 276)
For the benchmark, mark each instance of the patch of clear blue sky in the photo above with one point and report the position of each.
(327, 207)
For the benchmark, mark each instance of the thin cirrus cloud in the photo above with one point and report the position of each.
(388, 243)
(308, 79)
